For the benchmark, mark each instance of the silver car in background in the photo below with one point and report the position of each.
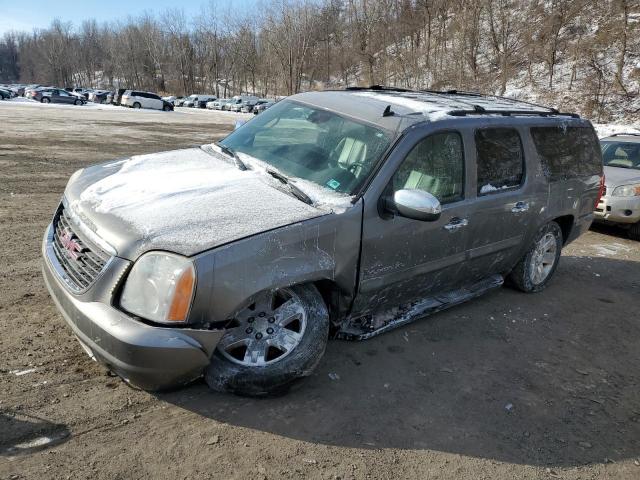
(620, 203)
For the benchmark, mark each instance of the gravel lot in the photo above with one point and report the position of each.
(507, 386)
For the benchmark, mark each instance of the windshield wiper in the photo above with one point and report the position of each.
(239, 163)
(299, 194)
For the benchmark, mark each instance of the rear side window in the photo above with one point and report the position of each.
(567, 152)
(500, 161)
(435, 165)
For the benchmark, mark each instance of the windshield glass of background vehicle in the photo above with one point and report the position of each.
(312, 144)
(621, 154)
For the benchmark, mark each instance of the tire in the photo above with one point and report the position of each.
(634, 231)
(271, 371)
(166, 108)
(77, 102)
(45, 100)
(137, 105)
(537, 266)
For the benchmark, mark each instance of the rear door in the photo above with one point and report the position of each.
(403, 260)
(507, 201)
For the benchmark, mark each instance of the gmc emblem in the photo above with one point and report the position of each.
(70, 244)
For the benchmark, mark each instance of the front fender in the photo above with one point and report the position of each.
(322, 248)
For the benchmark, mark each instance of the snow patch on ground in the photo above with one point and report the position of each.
(610, 249)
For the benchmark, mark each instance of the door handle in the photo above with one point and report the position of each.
(520, 207)
(455, 223)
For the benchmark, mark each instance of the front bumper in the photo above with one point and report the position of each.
(618, 210)
(150, 357)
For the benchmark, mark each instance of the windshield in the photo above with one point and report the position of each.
(621, 154)
(312, 144)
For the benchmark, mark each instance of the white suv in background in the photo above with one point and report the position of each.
(138, 99)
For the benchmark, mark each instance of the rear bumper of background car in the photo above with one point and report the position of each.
(150, 357)
(618, 210)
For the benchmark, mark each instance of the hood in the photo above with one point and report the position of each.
(615, 176)
(184, 201)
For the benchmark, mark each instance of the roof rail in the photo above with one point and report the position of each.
(625, 134)
(381, 88)
(474, 109)
(478, 110)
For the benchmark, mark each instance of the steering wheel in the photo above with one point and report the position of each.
(353, 167)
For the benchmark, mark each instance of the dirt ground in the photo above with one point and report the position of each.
(507, 386)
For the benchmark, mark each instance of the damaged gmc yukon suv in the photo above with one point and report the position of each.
(336, 213)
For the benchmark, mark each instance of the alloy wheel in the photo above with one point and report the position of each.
(543, 258)
(266, 331)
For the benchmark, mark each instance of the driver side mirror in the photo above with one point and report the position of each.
(416, 204)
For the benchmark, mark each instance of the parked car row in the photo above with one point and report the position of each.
(241, 103)
(136, 98)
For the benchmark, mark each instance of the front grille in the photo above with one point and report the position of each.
(80, 259)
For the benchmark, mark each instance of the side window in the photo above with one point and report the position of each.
(500, 160)
(567, 152)
(434, 165)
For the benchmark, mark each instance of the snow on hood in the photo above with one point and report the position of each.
(185, 201)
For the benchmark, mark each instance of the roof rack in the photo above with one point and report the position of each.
(625, 134)
(383, 88)
(474, 107)
(507, 113)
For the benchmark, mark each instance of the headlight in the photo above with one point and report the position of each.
(160, 287)
(627, 191)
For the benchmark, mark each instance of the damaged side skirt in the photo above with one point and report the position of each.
(368, 326)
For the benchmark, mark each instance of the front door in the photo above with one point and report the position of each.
(65, 97)
(403, 259)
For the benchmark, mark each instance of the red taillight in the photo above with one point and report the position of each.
(600, 190)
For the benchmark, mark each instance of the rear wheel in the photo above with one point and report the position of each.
(275, 341)
(45, 100)
(634, 231)
(137, 105)
(537, 266)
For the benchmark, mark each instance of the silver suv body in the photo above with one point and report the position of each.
(620, 203)
(342, 212)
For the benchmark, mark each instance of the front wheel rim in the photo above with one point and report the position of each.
(543, 258)
(265, 332)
